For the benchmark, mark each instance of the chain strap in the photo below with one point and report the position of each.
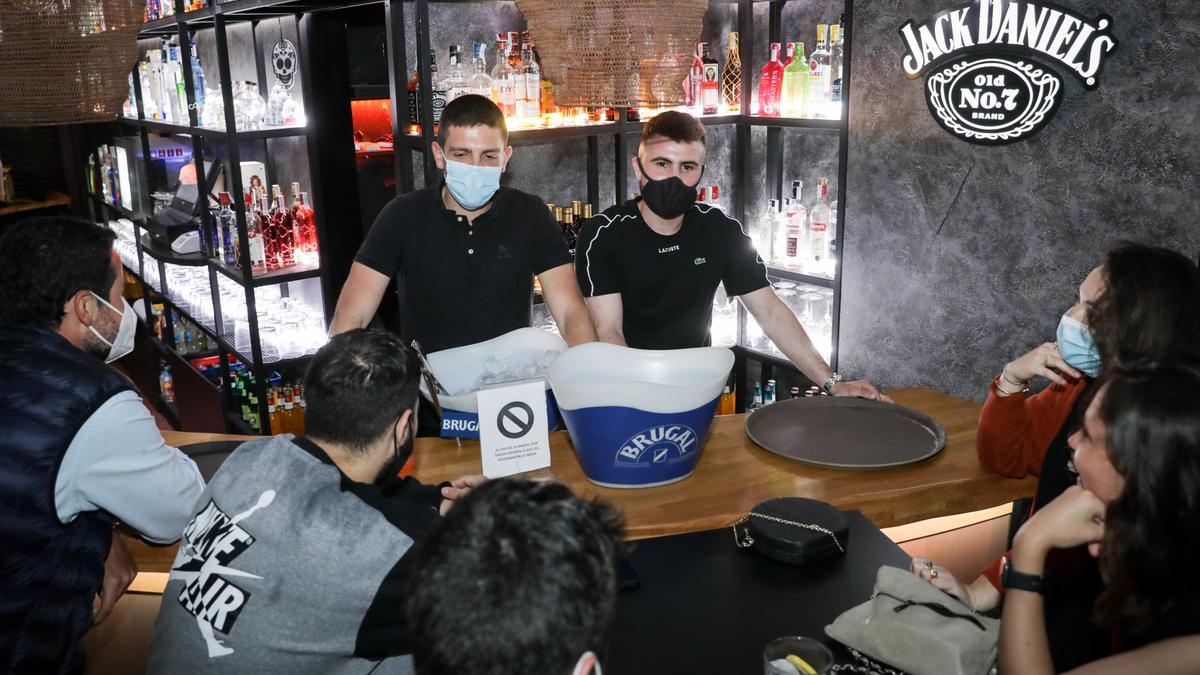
(865, 666)
(746, 541)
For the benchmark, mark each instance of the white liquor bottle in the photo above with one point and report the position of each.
(796, 218)
(503, 79)
(818, 228)
(479, 82)
(455, 82)
(819, 81)
(529, 102)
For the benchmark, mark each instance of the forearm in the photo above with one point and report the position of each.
(1024, 647)
(346, 319)
(576, 326)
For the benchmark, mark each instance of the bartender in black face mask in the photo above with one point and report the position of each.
(649, 268)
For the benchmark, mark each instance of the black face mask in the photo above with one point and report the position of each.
(668, 197)
(389, 475)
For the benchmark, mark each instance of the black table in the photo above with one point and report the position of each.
(706, 606)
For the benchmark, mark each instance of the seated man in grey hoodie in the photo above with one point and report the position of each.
(295, 559)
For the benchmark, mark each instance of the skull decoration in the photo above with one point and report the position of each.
(283, 62)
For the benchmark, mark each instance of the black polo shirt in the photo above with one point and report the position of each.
(666, 283)
(463, 282)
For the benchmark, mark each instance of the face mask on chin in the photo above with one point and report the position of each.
(389, 474)
(122, 343)
(670, 197)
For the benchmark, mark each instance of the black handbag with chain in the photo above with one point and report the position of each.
(793, 530)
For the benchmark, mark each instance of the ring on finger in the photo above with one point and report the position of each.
(929, 565)
(933, 574)
(1046, 360)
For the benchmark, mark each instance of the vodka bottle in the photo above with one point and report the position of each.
(818, 226)
(770, 84)
(819, 82)
(769, 393)
(227, 224)
(254, 239)
(731, 79)
(795, 82)
(757, 403)
(504, 79)
(835, 63)
(772, 233)
(797, 217)
(198, 82)
(455, 82)
(480, 82)
(529, 104)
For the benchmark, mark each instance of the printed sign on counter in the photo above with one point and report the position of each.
(513, 431)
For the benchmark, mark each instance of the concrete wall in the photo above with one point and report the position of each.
(960, 257)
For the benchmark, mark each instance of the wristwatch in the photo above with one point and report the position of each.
(827, 385)
(1010, 578)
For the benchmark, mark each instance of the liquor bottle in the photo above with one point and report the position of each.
(773, 236)
(255, 419)
(181, 104)
(769, 393)
(818, 226)
(504, 79)
(414, 101)
(479, 81)
(770, 84)
(155, 92)
(283, 229)
(731, 79)
(835, 62)
(702, 195)
(797, 226)
(795, 83)
(301, 408)
(710, 85)
(306, 222)
(794, 392)
(714, 194)
(529, 102)
(757, 403)
(438, 89)
(695, 81)
(549, 107)
(254, 239)
(819, 82)
(198, 82)
(273, 412)
(727, 404)
(833, 236)
(455, 82)
(167, 384)
(227, 226)
(289, 412)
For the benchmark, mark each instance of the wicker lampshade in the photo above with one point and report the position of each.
(615, 52)
(65, 61)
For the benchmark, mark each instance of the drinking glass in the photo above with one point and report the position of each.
(812, 652)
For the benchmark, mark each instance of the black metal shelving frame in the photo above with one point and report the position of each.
(182, 25)
(220, 14)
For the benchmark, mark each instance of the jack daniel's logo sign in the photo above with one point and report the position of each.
(987, 81)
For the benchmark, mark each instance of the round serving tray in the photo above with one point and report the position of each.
(846, 433)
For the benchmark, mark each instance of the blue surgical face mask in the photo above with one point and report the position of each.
(472, 186)
(1076, 346)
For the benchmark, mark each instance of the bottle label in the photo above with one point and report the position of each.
(793, 246)
(439, 103)
(257, 252)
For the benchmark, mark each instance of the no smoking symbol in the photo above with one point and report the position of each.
(515, 419)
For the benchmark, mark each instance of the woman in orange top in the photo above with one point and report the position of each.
(1143, 301)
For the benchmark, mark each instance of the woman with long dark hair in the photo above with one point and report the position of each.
(1137, 509)
(1143, 301)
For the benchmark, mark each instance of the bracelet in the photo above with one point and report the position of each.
(827, 385)
(1023, 388)
(1004, 375)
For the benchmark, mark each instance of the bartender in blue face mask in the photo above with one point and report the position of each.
(465, 251)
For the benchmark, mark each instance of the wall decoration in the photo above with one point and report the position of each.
(988, 64)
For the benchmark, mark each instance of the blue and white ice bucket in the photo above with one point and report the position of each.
(459, 370)
(638, 418)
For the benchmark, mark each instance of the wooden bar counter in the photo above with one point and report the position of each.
(734, 474)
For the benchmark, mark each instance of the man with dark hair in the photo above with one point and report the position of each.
(650, 267)
(520, 579)
(80, 451)
(295, 558)
(466, 249)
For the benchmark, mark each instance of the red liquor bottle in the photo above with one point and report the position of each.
(282, 229)
(254, 238)
(769, 84)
